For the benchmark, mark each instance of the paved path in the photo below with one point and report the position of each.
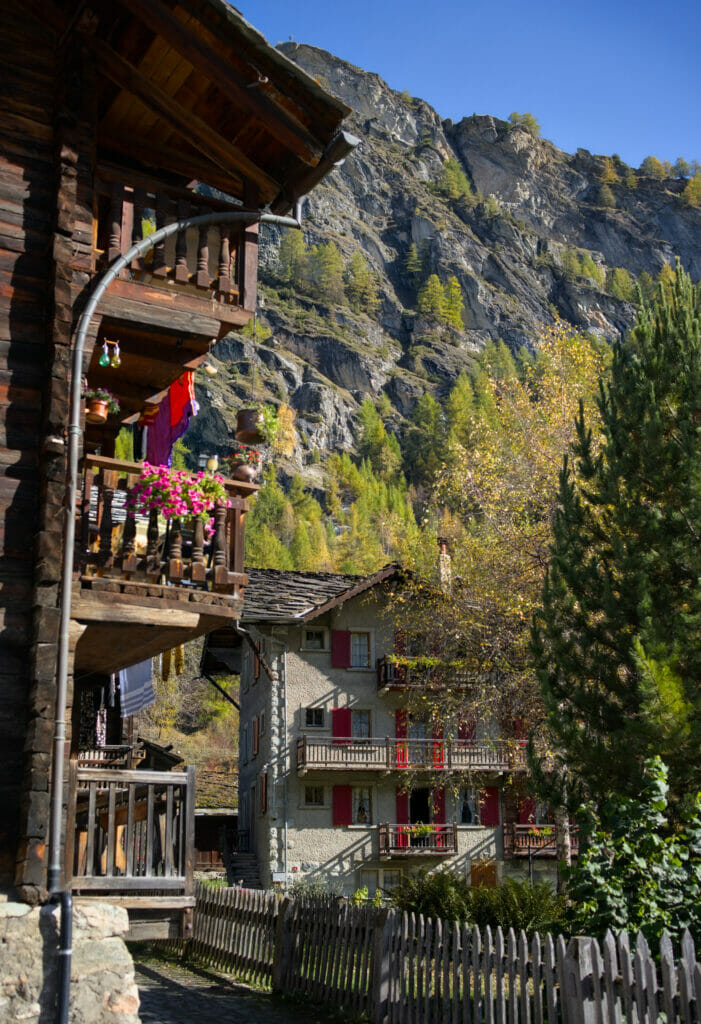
(171, 994)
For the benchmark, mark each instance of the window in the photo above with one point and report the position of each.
(469, 807)
(256, 728)
(360, 725)
(261, 723)
(360, 650)
(368, 880)
(391, 879)
(362, 806)
(314, 640)
(313, 796)
(244, 743)
(314, 718)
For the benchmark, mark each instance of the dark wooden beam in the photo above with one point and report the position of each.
(281, 123)
(187, 124)
(178, 162)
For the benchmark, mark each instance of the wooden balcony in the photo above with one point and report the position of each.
(386, 753)
(205, 279)
(418, 840)
(135, 572)
(394, 674)
(535, 841)
(131, 841)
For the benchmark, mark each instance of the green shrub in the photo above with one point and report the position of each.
(441, 895)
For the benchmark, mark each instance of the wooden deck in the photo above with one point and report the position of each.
(386, 753)
(418, 840)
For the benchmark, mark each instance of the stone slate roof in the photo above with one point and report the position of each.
(278, 595)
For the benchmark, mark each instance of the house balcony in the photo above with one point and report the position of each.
(141, 584)
(201, 281)
(131, 841)
(386, 754)
(393, 673)
(418, 841)
(535, 841)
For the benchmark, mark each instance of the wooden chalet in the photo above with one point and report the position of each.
(120, 117)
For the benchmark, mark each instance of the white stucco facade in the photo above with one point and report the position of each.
(289, 808)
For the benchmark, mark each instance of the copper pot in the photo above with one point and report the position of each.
(244, 471)
(96, 411)
(248, 426)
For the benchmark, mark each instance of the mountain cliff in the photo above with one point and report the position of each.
(529, 233)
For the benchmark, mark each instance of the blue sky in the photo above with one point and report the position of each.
(617, 77)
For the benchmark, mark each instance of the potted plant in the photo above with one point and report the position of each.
(243, 463)
(257, 424)
(101, 403)
(178, 494)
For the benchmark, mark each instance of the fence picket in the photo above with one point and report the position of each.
(560, 958)
(447, 958)
(466, 994)
(499, 958)
(487, 956)
(626, 969)
(428, 972)
(549, 972)
(685, 992)
(455, 963)
(537, 972)
(598, 992)
(412, 942)
(512, 1011)
(640, 977)
(476, 976)
(524, 994)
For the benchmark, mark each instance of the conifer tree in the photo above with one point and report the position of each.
(609, 175)
(453, 304)
(413, 265)
(431, 299)
(293, 259)
(620, 284)
(361, 285)
(652, 167)
(326, 274)
(617, 642)
(691, 195)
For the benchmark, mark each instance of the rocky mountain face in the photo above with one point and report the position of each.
(531, 205)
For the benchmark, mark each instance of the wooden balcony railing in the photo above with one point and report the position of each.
(535, 840)
(395, 674)
(113, 541)
(130, 831)
(212, 262)
(390, 754)
(418, 840)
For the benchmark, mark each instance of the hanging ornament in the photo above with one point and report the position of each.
(104, 359)
(116, 356)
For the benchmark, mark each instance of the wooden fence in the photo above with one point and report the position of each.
(402, 969)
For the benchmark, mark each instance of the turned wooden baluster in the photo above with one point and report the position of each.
(182, 274)
(199, 569)
(84, 544)
(175, 562)
(224, 283)
(129, 560)
(221, 570)
(202, 279)
(153, 562)
(114, 248)
(104, 556)
(160, 267)
(239, 507)
(137, 265)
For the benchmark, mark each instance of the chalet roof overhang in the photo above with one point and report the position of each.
(189, 89)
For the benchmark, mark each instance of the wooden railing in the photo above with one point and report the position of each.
(395, 674)
(210, 261)
(130, 831)
(390, 754)
(535, 840)
(418, 840)
(112, 540)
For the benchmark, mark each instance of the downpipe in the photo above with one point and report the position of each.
(65, 952)
(75, 434)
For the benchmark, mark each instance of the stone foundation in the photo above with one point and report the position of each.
(103, 990)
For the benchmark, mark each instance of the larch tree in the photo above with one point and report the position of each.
(617, 638)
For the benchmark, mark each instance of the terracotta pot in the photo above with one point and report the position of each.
(96, 411)
(244, 471)
(248, 426)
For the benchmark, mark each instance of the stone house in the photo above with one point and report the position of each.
(339, 782)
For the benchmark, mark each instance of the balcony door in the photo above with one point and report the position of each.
(420, 806)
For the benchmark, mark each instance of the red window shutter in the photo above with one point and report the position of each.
(526, 811)
(264, 793)
(342, 805)
(340, 648)
(255, 735)
(400, 731)
(438, 805)
(256, 662)
(489, 807)
(340, 724)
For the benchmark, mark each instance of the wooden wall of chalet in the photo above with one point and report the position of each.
(46, 157)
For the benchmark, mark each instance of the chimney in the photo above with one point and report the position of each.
(445, 569)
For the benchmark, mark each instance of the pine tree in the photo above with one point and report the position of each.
(453, 304)
(617, 642)
(293, 259)
(606, 197)
(413, 266)
(609, 175)
(691, 195)
(326, 274)
(652, 167)
(361, 285)
(431, 300)
(682, 168)
(620, 284)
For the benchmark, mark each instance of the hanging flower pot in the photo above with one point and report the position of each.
(244, 471)
(100, 404)
(249, 426)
